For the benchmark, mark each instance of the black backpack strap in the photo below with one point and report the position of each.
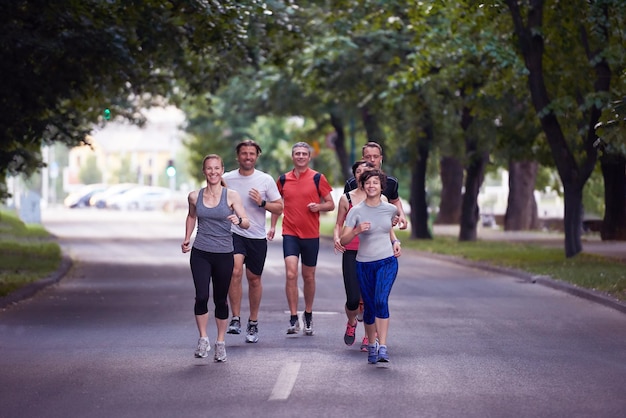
(349, 199)
(316, 179)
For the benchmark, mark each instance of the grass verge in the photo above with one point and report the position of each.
(27, 253)
(584, 270)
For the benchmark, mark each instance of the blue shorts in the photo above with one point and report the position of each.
(308, 248)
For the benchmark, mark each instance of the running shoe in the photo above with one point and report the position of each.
(202, 351)
(294, 327)
(349, 336)
(220, 352)
(382, 354)
(364, 344)
(252, 331)
(235, 326)
(372, 354)
(308, 326)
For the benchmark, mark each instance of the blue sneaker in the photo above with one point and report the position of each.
(382, 354)
(372, 354)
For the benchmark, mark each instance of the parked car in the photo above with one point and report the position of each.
(98, 200)
(140, 198)
(80, 198)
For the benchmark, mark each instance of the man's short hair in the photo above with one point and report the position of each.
(248, 143)
(372, 144)
(301, 145)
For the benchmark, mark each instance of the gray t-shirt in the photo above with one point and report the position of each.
(374, 244)
(266, 185)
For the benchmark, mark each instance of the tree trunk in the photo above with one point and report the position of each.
(573, 221)
(521, 209)
(372, 128)
(470, 211)
(614, 174)
(418, 199)
(451, 171)
(340, 146)
(475, 174)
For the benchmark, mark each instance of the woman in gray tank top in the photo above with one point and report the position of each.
(215, 208)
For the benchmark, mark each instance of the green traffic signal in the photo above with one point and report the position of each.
(170, 170)
(107, 114)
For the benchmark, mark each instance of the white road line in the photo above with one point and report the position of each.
(316, 312)
(285, 382)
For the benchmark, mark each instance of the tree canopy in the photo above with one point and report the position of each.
(64, 63)
(484, 83)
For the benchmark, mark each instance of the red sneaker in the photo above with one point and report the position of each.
(349, 337)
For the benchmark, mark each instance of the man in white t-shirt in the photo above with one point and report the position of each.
(259, 194)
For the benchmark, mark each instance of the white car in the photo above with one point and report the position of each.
(140, 198)
(80, 198)
(98, 200)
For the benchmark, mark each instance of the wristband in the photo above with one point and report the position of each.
(396, 240)
(262, 205)
(240, 221)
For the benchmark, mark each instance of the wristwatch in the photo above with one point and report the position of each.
(262, 205)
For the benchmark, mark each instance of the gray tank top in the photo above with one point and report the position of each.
(213, 234)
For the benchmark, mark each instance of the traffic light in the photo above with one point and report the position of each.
(170, 170)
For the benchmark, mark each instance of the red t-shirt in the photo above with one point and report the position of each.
(297, 193)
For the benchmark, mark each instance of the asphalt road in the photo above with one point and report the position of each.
(115, 338)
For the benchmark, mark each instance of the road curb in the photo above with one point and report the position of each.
(31, 289)
(547, 281)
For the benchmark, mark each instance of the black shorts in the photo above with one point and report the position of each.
(253, 250)
(307, 248)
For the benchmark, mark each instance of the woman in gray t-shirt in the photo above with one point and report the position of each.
(377, 259)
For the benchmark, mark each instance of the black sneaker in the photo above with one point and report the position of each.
(235, 326)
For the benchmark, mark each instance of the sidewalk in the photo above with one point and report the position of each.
(592, 243)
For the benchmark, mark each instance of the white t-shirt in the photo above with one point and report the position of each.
(266, 185)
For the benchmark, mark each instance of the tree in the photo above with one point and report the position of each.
(568, 93)
(612, 130)
(64, 63)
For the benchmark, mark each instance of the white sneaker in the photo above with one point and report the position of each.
(220, 352)
(308, 327)
(202, 351)
(252, 332)
(293, 328)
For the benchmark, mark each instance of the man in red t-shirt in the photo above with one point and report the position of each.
(305, 194)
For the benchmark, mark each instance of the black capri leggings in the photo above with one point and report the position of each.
(204, 266)
(350, 280)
